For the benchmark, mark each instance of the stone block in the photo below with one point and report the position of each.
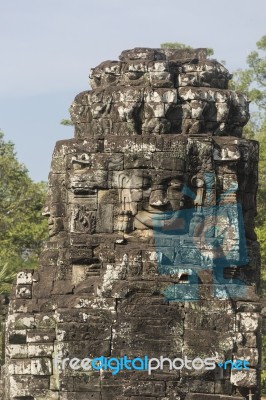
(40, 350)
(244, 378)
(145, 388)
(247, 321)
(45, 284)
(79, 332)
(218, 340)
(22, 322)
(24, 278)
(81, 254)
(17, 337)
(217, 321)
(104, 219)
(24, 291)
(249, 354)
(200, 396)
(40, 336)
(45, 321)
(19, 367)
(200, 386)
(80, 396)
(18, 351)
(88, 384)
(41, 366)
(46, 394)
(23, 385)
(63, 287)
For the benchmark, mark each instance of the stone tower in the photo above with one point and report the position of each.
(152, 251)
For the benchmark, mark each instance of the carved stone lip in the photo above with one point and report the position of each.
(159, 212)
(152, 211)
(149, 218)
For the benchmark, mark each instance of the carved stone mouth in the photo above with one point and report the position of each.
(159, 212)
(150, 218)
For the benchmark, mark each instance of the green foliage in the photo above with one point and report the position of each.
(66, 122)
(178, 45)
(261, 231)
(22, 226)
(252, 80)
(261, 196)
(6, 278)
(175, 45)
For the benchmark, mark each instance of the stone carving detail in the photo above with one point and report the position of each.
(124, 223)
(83, 220)
(152, 249)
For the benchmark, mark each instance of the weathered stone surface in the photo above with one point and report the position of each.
(199, 396)
(152, 249)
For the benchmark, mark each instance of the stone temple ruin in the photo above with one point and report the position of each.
(152, 250)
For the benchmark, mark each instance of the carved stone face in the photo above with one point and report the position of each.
(128, 188)
(165, 195)
(132, 197)
(55, 225)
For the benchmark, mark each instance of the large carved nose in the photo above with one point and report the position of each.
(174, 195)
(158, 197)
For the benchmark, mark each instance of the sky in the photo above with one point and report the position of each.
(48, 47)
